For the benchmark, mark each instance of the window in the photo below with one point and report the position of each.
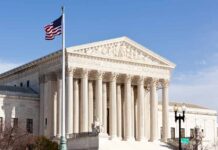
(14, 123)
(1, 124)
(28, 83)
(172, 133)
(29, 125)
(191, 132)
(21, 84)
(46, 122)
(182, 132)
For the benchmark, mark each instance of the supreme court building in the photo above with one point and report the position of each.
(113, 82)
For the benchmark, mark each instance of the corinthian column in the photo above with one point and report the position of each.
(128, 108)
(113, 107)
(154, 110)
(69, 102)
(84, 102)
(140, 92)
(76, 107)
(90, 105)
(104, 99)
(119, 112)
(98, 95)
(165, 110)
(134, 105)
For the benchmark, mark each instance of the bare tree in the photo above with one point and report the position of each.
(14, 138)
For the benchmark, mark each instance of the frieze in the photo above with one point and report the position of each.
(120, 67)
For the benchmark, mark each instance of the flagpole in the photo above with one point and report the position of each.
(63, 140)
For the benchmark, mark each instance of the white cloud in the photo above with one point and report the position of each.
(5, 66)
(199, 88)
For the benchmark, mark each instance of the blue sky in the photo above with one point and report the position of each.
(184, 31)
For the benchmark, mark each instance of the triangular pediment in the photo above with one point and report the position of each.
(123, 49)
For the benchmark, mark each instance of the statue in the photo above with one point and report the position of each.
(97, 126)
(196, 142)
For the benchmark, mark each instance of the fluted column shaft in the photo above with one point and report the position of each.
(69, 102)
(119, 112)
(147, 113)
(134, 105)
(165, 110)
(113, 107)
(104, 99)
(128, 123)
(90, 105)
(76, 107)
(98, 95)
(140, 92)
(84, 101)
(154, 110)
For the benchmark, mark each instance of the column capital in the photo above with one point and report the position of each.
(85, 73)
(99, 74)
(128, 78)
(113, 76)
(70, 71)
(140, 80)
(165, 83)
(154, 81)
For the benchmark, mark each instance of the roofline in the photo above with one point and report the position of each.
(30, 64)
(151, 52)
(58, 53)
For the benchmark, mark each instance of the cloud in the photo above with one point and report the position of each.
(5, 66)
(198, 88)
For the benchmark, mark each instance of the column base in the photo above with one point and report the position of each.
(120, 138)
(154, 141)
(130, 139)
(143, 139)
(103, 135)
(114, 138)
(164, 140)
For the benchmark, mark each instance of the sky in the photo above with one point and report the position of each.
(183, 31)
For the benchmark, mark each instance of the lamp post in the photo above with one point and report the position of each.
(179, 117)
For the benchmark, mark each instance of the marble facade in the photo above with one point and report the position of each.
(113, 81)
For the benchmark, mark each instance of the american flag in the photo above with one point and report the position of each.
(53, 29)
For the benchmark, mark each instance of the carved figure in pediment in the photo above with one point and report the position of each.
(104, 50)
(120, 50)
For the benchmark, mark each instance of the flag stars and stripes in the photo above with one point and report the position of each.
(53, 29)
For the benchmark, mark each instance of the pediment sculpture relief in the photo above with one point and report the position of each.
(120, 50)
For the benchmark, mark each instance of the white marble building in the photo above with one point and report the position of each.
(204, 118)
(115, 81)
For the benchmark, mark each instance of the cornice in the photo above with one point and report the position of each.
(20, 97)
(30, 67)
